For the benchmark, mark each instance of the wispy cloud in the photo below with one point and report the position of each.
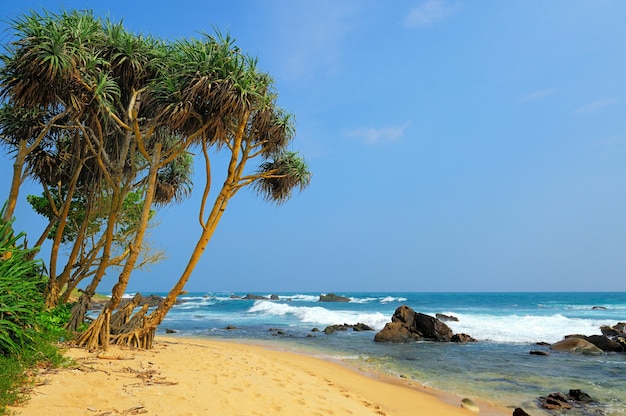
(536, 95)
(428, 13)
(373, 135)
(595, 106)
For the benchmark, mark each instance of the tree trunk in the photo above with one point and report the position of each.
(235, 169)
(52, 296)
(99, 330)
(16, 181)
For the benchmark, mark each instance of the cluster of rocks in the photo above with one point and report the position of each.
(407, 325)
(331, 297)
(559, 402)
(251, 296)
(613, 339)
(344, 327)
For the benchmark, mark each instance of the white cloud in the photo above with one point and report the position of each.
(595, 106)
(536, 95)
(373, 135)
(429, 12)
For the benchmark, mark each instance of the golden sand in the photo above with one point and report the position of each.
(190, 376)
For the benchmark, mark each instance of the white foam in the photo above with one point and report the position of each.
(389, 299)
(523, 328)
(318, 314)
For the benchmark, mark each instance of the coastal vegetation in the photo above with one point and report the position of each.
(109, 123)
(28, 331)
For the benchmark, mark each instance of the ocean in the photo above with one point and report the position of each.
(499, 368)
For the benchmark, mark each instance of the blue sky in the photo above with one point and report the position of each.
(455, 146)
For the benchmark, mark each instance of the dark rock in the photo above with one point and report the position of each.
(315, 330)
(462, 338)
(362, 327)
(577, 345)
(331, 297)
(397, 333)
(250, 296)
(432, 328)
(446, 318)
(230, 327)
(534, 352)
(235, 297)
(407, 325)
(605, 343)
(274, 297)
(579, 396)
(152, 301)
(519, 412)
(542, 344)
(555, 401)
(344, 327)
(170, 331)
(618, 330)
(559, 401)
(609, 331)
(621, 327)
(598, 308)
(334, 328)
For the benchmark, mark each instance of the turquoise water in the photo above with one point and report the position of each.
(498, 368)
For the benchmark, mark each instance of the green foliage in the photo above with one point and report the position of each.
(28, 333)
(21, 288)
(52, 323)
(12, 377)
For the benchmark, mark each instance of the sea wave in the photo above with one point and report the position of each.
(318, 314)
(524, 328)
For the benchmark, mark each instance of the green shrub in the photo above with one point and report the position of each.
(28, 333)
(21, 292)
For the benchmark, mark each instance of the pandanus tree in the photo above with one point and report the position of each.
(119, 113)
(234, 104)
(70, 70)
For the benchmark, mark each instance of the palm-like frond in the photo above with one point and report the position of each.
(279, 177)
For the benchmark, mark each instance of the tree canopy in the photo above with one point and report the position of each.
(106, 120)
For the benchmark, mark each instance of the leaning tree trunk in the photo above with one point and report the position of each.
(18, 167)
(98, 333)
(144, 334)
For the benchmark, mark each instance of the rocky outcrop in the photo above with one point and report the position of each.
(520, 412)
(446, 318)
(613, 339)
(576, 345)
(605, 343)
(559, 401)
(331, 297)
(462, 338)
(407, 325)
(344, 327)
(250, 296)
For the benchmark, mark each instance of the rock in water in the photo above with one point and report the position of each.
(519, 412)
(576, 345)
(331, 297)
(469, 405)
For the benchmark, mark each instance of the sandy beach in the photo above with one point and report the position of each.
(190, 376)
